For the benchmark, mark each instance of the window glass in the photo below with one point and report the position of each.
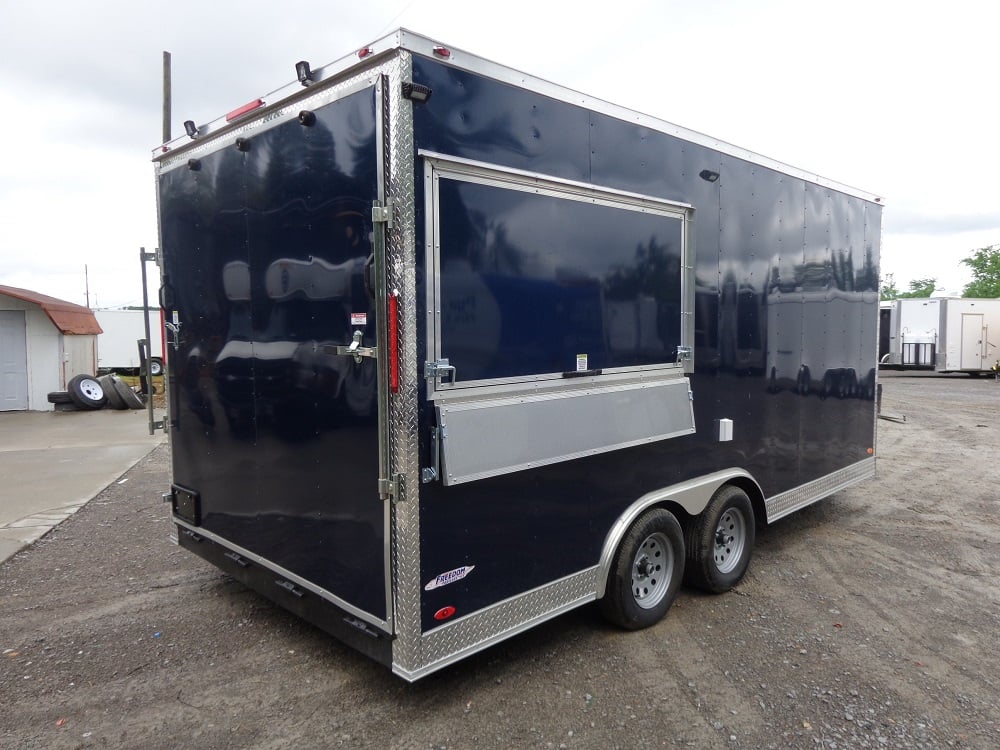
(531, 281)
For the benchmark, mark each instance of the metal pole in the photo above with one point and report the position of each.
(166, 96)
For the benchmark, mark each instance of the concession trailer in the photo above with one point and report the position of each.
(969, 335)
(454, 350)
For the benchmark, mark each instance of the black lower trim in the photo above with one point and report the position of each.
(312, 608)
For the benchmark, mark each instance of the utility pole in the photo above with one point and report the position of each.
(166, 96)
(86, 284)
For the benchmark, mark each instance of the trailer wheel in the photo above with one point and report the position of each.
(646, 573)
(86, 392)
(720, 541)
(155, 366)
(114, 399)
(129, 397)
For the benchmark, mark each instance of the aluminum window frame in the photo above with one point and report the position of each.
(439, 166)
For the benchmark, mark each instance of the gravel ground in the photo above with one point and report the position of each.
(867, 621)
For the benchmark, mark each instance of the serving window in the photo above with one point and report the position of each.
(574, 295)
(534, 278)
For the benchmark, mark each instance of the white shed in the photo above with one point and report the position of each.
(44, 342)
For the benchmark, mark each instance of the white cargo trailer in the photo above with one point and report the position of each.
(912, 333)
(969, 335)
(118, 347)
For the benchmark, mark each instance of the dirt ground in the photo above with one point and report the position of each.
(868, 620)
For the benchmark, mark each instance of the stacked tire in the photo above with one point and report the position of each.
(90, 393)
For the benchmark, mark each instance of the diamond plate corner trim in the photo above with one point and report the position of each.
(403, 407)
(450, 643)
(784, 503)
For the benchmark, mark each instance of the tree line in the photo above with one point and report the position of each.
(985, 265)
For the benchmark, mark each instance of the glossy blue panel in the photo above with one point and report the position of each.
(265, 252)
(780, 264)
(482, 119)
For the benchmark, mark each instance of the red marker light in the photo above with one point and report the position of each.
(393, 321)
(248, 107)
(442, 52)
(364, 52)
(444, 613)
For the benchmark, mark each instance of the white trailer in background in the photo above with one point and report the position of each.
(913, 326)
(969, 335)
(117, 346)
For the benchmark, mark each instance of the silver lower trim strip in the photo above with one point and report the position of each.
(286, 574)
(450, 643)
(799, 497)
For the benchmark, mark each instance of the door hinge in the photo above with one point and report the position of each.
(154, 257)
(382, 214)
(389, 489)
(432, 472)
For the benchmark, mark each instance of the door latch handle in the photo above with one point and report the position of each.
(354, 349)
(356, 342)
(440, 368)
(175, 329)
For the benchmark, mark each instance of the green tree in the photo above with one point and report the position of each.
(985, 265)
(919, 288)
(887, 288)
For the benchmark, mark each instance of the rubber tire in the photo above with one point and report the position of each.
(115, 401)
(86, 392)
(155, 366)
(129, 397)
(701, 569)
(59, 397)
(619, 604)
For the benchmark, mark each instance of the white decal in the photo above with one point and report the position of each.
(359, 319)
(581, 362)
(450, 577)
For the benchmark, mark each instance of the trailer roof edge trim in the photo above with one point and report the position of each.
(404, 39)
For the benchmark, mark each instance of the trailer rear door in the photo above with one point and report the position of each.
(269, 277)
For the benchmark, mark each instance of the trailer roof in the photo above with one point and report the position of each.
(404, 39)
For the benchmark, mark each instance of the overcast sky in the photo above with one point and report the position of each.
(897, 98)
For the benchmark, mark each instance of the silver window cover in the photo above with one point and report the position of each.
(485, 437)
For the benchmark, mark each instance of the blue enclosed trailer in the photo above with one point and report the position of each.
(455, 349)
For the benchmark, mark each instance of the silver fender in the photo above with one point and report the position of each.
(692, 495)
